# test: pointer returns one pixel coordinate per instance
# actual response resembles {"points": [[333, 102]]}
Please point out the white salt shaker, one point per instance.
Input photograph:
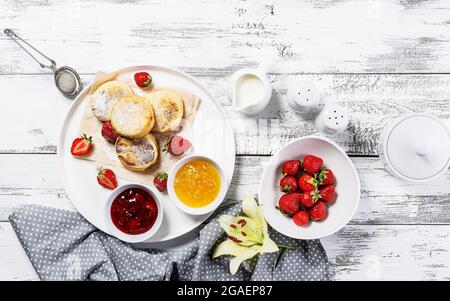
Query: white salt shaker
{"points": [[332, 119], [304, 97]]}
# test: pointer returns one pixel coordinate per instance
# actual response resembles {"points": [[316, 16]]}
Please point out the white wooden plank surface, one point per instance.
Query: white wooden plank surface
{"points": [[303, 36], [372, 100], [380, 58], [14, 262], [391, 252]]}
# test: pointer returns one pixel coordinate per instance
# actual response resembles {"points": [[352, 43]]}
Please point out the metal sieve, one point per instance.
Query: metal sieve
{"points": [[66, 79]]}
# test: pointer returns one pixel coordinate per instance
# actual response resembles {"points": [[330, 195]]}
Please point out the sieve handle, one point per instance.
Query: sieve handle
{"points": [[16, 39]]}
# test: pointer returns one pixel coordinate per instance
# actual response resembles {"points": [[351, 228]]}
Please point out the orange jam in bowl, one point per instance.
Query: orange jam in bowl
{"points": [[197, 183]]}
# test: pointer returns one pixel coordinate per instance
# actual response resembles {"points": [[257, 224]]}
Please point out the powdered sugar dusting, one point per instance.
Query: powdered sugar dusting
{"points": [[104, 100], [130, 116], [141, 148]]}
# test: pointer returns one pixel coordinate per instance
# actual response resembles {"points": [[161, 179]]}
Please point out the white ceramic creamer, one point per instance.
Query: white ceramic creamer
{"points": [[250, 90], [415, 147]]}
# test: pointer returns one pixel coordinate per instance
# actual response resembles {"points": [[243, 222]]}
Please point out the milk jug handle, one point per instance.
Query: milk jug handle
{"points": [[265, 64]]}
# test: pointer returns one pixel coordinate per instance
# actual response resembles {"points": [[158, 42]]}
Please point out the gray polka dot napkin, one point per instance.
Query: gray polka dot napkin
{"points": [[62, 245]]}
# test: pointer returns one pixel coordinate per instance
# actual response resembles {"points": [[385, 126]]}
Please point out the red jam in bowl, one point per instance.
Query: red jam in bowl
{"points": [[134, 211]]}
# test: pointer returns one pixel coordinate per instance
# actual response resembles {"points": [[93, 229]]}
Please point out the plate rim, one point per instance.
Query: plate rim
{"points": [[77, 101]]}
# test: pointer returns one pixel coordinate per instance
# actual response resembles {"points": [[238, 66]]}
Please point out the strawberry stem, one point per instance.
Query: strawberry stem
{"points": [[85, 137], [166, 146], [161, 175]]}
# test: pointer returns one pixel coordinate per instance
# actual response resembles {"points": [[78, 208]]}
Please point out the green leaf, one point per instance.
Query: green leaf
{"points": [[282, 212], [279, 257]]}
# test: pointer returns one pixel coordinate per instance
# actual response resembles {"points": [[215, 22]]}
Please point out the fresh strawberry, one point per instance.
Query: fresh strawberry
{"points": [[289, 203], [288, 184], [177, 145], [108, 132], [309, 198], [312, 164], [291, 167], [307, 183], [318, 212], [301, 218], [327, 194], [143, 79], [160, 181], [107, 178], [325, 177], [81, 146]]}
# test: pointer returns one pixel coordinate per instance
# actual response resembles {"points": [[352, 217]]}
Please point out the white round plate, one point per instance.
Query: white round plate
{"points": [[347, 188], [212, 136]]}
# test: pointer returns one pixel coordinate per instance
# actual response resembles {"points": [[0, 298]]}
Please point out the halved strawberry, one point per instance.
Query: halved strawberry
{"points": [[107, 178], [177, 145], [81, 146]]}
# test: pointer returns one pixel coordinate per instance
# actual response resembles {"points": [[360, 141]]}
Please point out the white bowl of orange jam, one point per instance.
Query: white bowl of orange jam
{"points": [[196, 185]]}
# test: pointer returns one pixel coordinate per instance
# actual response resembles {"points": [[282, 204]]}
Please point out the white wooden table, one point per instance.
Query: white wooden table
{"points": [[380, 58]]}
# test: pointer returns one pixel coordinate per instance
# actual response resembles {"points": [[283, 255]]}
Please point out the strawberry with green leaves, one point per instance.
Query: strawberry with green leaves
{"points": [[143, 79], [325, 177], [160, 181], [288, 184], [307, 183], [309, 198]]}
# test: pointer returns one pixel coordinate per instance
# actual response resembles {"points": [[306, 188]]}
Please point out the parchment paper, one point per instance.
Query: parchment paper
{"points": [[103, 153]]}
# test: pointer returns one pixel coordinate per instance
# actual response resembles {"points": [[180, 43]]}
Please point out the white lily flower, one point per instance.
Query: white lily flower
{"points": [[247, 235]]}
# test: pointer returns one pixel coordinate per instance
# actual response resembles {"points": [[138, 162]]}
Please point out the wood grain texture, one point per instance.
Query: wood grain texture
{"points": [[393, 252], [35, 179], [372, 100], [302, 36], [381, 59], [13, 260]]}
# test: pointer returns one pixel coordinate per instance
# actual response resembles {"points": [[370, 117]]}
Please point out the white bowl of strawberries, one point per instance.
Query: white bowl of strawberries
{"points": [[309, 189]]}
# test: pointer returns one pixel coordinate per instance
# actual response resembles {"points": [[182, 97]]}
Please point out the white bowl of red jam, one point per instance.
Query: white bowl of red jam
{"points": [[196, 185], [133, 213]]}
